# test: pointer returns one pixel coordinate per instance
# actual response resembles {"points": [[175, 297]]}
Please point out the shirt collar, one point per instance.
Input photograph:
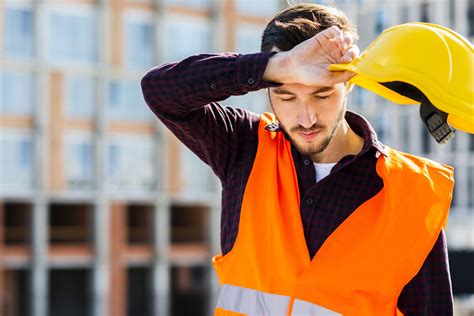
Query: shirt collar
{"points": [[359, 125]]}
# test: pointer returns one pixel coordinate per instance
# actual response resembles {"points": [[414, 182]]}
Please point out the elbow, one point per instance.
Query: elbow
{"points": [[150, 85], [146, 81]]}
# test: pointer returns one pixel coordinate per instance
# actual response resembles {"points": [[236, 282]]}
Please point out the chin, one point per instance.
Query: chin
{"points": [[311, 148]]}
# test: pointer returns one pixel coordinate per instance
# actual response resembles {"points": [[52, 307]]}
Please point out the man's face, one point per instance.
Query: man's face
{"points": [[309, 115]]}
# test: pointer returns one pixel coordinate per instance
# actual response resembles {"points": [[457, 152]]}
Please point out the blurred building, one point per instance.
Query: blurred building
{"points": [[102, 211]]}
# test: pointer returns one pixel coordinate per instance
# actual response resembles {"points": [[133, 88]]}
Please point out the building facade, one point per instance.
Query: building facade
{"points": [[102, 211]]}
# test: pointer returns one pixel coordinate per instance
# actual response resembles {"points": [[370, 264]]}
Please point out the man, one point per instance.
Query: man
{"points": [[318, 217]]}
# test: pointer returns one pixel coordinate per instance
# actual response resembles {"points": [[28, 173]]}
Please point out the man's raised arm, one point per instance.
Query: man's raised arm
{"points": [[184, 96]]}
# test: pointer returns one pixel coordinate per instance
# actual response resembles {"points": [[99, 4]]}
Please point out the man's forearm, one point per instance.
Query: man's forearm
{"points": [[277, 69], [202, 79]]}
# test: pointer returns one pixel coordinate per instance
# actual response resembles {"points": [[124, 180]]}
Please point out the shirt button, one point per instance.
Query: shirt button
{"points": [[309, 201], [213, 86], [307, 162], [251, 81]]}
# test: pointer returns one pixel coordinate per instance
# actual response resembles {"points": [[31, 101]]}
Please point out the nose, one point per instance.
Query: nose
{"points": [[306, 116]]}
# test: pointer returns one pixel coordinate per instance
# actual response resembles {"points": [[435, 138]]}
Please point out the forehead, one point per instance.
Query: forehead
{"points": [[301, 89]]}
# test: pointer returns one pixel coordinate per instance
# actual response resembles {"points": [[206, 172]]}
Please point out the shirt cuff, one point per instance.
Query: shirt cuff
{"points": [[250, 70]]}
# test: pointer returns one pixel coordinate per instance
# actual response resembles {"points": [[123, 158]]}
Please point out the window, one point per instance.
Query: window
{"points": [[79, 161], [365, 25], [70, 224], [139, 224], [15, 160], [139, 294], [16, 294], [131, 163], [256, 102], [186, 36], [190, 290], [360, 97], [258, 8], [125, 101], [380, 20], [69, 292], [424, 12], [405, 130], [404, 13], [189, 224], [426, 139], [72, 37], [139, 44], [16, 93], [18, 32], [16, 221], [381, 126], [470, 186], [248, 38], [190, 3], [470, 17], [80, 96]]}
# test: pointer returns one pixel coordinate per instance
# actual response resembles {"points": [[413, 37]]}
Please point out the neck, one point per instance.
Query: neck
{"points": [[345, 142]]}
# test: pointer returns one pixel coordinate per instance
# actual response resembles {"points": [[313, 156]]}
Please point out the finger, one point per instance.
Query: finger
{"points": [[349, 55], [347, 40], [333, 33], [340, 76]]}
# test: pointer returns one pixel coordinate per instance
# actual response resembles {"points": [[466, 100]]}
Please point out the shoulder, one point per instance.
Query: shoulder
{"points": [[416, 163], [413, 167]]}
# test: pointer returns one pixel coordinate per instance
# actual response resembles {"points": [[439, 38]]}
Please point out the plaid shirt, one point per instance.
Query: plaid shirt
{"points": [[185, 96]]}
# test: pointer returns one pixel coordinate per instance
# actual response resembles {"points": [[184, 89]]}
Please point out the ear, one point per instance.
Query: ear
{"points": [[270, 100]]}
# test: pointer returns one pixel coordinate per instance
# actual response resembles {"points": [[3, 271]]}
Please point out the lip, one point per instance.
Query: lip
{"points": [[308, 136]]}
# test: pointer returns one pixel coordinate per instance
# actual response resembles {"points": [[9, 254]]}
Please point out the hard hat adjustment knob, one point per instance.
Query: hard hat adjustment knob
{"points": [[436, 122]]}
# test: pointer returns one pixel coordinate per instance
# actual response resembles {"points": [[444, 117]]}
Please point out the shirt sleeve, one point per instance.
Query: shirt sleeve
{"points": [[185, 96], [430, 291]]}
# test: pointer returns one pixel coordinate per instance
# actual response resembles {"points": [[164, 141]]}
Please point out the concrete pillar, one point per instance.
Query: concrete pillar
{"points": [[161, 265], [39, 215], [39, 270], [101, 270]]}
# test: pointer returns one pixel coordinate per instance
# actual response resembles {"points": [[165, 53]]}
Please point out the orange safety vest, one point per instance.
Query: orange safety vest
{"points": [[362, 266]]}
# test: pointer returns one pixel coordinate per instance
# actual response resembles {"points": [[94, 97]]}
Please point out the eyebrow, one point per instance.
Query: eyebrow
{"points": [[283, 91]]}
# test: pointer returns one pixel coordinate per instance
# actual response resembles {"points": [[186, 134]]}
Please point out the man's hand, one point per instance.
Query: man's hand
{"points": [[308, 62]]}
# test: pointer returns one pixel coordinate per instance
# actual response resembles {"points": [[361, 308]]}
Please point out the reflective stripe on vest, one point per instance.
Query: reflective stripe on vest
{"points": [[252, 302]]}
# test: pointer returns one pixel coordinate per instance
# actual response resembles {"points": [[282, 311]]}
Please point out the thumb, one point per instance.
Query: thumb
{"points": [[340, 76]]}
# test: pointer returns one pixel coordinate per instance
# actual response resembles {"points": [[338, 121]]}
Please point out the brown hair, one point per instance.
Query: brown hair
{"points": [[300, 22]]}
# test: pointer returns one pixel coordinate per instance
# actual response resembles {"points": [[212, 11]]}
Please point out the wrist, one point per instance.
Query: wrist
{"points": [[277, 69]]}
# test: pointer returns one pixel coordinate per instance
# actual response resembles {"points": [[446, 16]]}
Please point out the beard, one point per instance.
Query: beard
{"points": [[316, 148]]}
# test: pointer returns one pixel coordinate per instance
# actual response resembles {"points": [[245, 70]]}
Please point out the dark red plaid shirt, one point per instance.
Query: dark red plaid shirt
{"points": [[185, 96]]}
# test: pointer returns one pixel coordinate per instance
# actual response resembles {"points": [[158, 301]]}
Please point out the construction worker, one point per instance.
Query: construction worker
{"points": [[318, 216]]}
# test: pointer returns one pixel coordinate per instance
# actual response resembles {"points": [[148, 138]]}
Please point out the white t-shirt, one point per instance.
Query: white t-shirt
{"points": [[323, 169]]}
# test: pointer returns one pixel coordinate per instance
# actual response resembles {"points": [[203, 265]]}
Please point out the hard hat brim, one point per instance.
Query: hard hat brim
{"points": [[373, 85]]}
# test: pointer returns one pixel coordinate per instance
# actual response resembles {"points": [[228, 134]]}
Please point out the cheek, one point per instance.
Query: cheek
{"points": [[334, 104], [284, 111]]}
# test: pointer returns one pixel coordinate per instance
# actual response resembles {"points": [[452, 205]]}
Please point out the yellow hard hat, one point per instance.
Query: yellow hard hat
{"points": [[425, 63]]}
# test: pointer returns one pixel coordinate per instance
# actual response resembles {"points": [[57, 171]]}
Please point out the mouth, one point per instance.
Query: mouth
{"points": [[308, 136]]}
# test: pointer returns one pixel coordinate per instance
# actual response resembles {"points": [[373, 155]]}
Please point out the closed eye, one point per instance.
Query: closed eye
{"points": [[289, 100], [325, 95]]}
